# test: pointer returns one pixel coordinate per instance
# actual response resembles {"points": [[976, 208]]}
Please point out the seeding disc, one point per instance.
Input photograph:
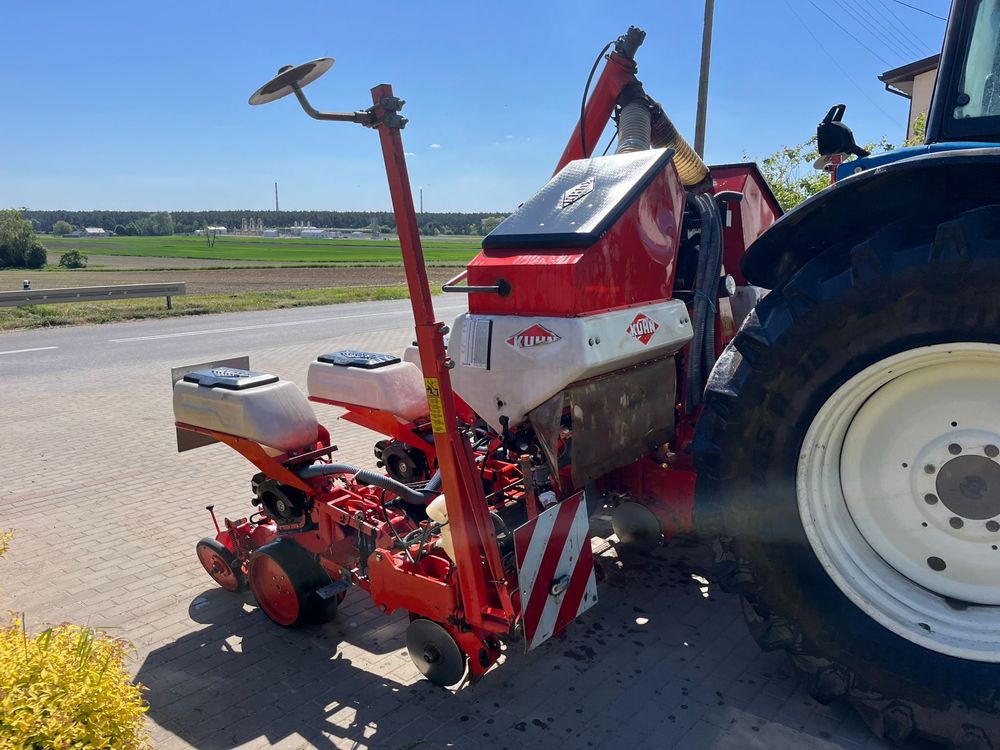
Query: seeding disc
{"points": [[435, 652]]}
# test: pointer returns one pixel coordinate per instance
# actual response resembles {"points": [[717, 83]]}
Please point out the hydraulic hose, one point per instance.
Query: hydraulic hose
{"points": [[634, 128], [365, 476], [701, 351], [690, 167]]}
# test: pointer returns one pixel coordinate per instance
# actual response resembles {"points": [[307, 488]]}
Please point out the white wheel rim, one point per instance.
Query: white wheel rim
{"points": [[898, 487]]}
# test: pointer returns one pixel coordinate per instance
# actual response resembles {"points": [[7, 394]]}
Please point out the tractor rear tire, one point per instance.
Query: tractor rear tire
{"points": [[870, 369], [284, 579]]}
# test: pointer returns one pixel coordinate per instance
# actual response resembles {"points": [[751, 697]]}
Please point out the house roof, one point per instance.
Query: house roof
{"points": [[906, 73]]}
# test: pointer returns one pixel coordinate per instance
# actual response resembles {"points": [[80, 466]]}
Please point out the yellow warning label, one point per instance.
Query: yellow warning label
{"points": [[433, 389]]}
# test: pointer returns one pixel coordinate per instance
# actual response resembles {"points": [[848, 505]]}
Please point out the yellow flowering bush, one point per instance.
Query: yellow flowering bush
{"points": [[67, 688]]}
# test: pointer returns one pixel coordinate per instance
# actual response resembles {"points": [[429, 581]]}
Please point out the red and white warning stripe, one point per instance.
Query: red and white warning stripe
{"points": [[555, 569]]}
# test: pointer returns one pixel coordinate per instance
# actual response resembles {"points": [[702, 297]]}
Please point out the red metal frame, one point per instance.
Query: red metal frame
{"points": [[618, 72], [484, 598]]}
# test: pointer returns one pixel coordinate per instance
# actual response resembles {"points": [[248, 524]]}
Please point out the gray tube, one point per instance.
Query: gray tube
{"points": [[634, 128], [367, 477]]}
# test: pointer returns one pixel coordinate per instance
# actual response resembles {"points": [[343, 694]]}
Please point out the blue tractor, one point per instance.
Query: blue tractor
{"points": [[849, 451]]}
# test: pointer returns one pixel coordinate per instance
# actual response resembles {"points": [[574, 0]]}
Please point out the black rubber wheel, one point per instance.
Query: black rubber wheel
{"points": [[221, 564], [284, 579], [906, 287]]}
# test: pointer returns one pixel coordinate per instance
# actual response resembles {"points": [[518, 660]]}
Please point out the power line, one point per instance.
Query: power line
{"points": [[912, 41], [836, 62], [905, 26], [890, 37], [920, 10], [846, 31]]}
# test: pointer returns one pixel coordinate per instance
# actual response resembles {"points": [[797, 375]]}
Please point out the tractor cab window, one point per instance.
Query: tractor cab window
{"points": [[978, 92]]}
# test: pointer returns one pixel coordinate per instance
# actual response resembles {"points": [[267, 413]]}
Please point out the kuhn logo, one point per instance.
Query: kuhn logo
{"points": [[535, 335], [642, 328]]}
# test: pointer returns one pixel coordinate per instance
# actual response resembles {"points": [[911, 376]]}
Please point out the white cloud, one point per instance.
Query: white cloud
{"points": [[508, 136], [408, 153], [435, 145]]}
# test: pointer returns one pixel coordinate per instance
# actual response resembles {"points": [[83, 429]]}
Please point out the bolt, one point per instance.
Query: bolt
{"points": [[929, 469], [936, 563], [955, 522], [992, 451], [954, 449], [930, 499], [992, 526]]}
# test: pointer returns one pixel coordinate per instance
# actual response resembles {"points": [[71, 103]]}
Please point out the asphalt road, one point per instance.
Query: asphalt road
{"points": [[189, 340]]}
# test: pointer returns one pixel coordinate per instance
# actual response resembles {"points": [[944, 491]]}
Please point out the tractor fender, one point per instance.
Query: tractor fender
{"points": [[929, 188]]}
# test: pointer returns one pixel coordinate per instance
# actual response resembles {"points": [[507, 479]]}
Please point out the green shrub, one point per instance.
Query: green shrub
{"points": [[73, 259], [62, 228], [67, 687], [36, 256]]}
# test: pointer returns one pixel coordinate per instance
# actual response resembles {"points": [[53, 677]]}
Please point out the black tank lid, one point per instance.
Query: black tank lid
{"points": [[581, 202], [364, 360], [230, 378]]}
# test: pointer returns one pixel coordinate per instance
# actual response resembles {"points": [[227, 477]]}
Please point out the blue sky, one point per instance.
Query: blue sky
{"points": [[142, 105]]}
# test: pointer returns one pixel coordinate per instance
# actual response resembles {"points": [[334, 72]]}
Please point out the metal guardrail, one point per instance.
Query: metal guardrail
{"points": [[22, 297]]}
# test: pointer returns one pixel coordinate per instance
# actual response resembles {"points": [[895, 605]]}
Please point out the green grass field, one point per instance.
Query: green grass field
{"points": [[344, 252], [115, 311]]}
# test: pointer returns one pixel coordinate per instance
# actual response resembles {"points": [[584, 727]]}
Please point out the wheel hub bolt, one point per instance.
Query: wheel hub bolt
{"points": [[992, 451], [992, 526], [956, 522], [930, 499], [954, 449], [936, 563], [929, 469]]}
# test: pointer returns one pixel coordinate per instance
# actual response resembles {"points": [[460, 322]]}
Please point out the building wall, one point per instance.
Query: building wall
{"points": [[920, 103]]}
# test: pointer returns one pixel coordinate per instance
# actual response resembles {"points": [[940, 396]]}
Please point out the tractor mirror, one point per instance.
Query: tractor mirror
{"points": [[834, 137], [288, 78]]}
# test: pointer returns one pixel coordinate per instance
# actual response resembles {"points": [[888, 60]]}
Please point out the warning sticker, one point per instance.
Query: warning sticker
{"points": [[433, 389]]}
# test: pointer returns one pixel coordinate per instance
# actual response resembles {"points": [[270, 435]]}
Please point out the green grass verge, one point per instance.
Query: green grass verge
{"points": [[354, 252], [43, 316]]}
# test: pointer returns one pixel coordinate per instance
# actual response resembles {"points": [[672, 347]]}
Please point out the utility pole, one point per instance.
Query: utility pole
{"points": [[706, 61], [276, 196]]}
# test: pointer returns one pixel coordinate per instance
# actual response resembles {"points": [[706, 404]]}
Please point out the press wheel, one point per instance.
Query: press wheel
{"points": [[221, 564]]}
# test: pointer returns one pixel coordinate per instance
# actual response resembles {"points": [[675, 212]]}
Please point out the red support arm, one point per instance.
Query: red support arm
{"points": [[618, 73], [478, 566]]}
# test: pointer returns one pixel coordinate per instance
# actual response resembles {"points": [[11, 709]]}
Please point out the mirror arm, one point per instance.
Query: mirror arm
{"points": [[362, 117]]}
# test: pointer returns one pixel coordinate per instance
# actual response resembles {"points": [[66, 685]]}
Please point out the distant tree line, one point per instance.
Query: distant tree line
{"points": [[184, 222]]}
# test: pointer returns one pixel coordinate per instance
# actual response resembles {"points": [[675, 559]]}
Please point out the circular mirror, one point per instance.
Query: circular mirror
{"points": [[281, 84]]}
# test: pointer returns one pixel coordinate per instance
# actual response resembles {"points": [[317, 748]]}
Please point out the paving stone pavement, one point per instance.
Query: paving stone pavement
{"points": [[106, 515]]}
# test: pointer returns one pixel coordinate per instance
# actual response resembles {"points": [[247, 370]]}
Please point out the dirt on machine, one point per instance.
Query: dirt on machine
{"points": [[649, 335]]}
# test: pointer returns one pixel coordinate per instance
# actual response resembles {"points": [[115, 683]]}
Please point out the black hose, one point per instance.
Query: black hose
{"points": [[366, 477], [701, 352]]}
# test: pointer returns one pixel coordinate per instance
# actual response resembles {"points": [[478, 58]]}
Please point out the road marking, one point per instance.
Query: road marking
{"points": [[36, 349], [259, 326]]}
